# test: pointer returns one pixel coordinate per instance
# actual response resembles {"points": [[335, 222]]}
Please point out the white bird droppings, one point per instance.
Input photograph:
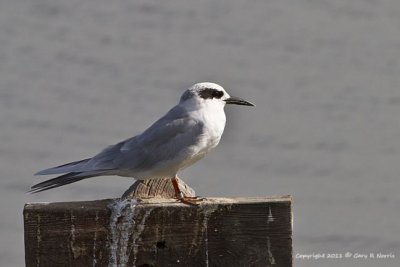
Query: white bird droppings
{"points": [[120, 229], [270, 217]]}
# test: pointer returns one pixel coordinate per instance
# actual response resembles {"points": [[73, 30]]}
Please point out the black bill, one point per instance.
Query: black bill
{"points": [[238, 101]]}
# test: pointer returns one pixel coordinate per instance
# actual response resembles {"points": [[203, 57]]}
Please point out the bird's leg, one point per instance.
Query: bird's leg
{"points": [[178, 193], [181, 197]]}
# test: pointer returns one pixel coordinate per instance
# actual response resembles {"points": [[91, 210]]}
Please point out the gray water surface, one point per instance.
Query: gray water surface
{"points": [[76, 76]]}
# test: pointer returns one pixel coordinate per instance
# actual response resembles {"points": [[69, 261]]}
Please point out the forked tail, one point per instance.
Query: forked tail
{"points": [[65, 179]]}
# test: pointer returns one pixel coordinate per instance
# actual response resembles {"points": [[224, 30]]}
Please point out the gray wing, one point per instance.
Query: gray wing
{"points": [[167, 137]]}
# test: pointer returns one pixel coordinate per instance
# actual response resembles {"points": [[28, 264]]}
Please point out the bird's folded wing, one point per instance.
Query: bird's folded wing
{"points": [[164, 140]]}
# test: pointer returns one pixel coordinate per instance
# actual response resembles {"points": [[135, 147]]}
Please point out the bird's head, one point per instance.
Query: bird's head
{"points": [[207, 94]]}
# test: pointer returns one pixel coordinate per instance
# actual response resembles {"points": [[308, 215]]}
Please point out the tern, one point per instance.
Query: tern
{"points": [[184, 135]]}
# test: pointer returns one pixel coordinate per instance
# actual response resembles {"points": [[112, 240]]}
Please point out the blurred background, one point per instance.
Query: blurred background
{"points": [[76, 76]]}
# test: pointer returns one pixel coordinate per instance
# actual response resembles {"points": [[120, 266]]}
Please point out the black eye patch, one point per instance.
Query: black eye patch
{"points": [[209, 93]]}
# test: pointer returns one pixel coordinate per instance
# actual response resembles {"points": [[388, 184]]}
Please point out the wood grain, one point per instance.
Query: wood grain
{"points": [[161, 188], [218, 232]]}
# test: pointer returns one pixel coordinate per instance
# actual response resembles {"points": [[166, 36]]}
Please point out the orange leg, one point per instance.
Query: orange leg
{"points": [[178, 193], [181, 197]]}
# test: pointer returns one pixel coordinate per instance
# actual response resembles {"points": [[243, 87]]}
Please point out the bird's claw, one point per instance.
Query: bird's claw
{"points": [[194, 201]]}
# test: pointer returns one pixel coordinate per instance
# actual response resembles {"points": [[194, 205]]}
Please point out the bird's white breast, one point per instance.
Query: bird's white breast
{"points": [[213, 119]]}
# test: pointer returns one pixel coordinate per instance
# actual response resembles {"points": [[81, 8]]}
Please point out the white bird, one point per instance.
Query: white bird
{"points": [[177, 140]]}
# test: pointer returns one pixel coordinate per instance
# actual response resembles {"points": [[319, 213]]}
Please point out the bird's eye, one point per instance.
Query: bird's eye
{"points": [[218, 94], [210, 93]]}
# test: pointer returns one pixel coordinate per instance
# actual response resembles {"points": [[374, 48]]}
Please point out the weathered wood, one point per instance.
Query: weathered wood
{"points": [[218, 232], [161, 188]]}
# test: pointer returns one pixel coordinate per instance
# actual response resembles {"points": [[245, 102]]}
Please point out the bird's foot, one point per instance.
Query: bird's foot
{"points": [[182, 198], [194, 201]]}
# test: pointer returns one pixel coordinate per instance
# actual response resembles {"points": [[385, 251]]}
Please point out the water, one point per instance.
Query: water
{"points": [[76, 76]]}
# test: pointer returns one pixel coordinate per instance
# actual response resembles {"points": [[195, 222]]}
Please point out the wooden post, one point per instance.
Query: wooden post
{"points": [[160, 232]]}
